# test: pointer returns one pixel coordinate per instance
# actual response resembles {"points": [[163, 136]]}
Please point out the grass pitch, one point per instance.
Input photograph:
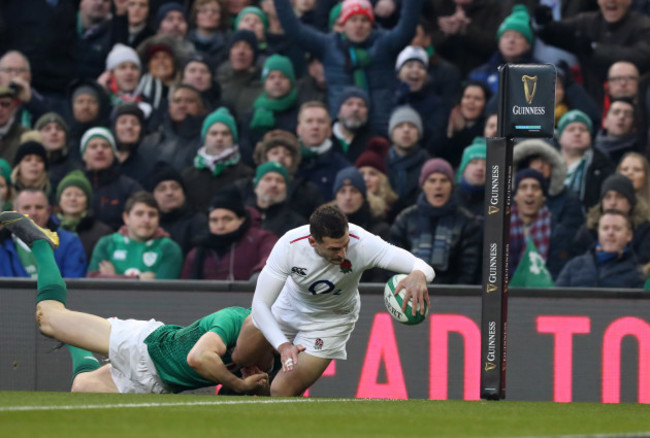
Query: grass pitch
{"points": [[54, 415]]}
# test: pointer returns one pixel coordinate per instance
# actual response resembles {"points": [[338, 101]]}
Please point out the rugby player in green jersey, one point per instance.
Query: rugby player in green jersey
{"points": [[145, 356]]}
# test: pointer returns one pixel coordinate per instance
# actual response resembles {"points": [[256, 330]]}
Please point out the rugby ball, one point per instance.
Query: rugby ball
{"points": [[394, 302]]}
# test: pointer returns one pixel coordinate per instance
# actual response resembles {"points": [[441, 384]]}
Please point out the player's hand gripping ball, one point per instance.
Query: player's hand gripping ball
{"points": [[394, 303]]}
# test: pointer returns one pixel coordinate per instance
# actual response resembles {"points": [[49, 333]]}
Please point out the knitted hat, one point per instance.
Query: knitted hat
{"points": [[281, 64], [411, 53], [121, 53], [159, 47], [270, 166], [335, 13], [249, 37], [620, 184], [476, 151], [519, 21], [229, 199], [100, 132], [30, 148], [403, 114], [5, 170], [166, 9], [197, 57], [253, 10], [531, 173], [354, 7], [350, 176], [573, 116], [75, 178], [164, 172], [375, 155], [353, 91], [85, 89], [222, 115], [127, 108], [49, 118], [436, 165]]}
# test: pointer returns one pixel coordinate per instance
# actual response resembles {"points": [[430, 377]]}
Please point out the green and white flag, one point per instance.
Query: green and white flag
{"points": [[531, 271]]}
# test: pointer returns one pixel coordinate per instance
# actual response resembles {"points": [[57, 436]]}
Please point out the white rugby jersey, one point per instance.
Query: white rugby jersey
{"points": [[318, 286]]}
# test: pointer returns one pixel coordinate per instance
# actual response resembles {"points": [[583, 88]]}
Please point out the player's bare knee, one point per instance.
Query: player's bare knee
{"points": [[43, 319], [83, 383]]}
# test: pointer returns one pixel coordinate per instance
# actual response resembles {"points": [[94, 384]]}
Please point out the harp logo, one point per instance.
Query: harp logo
{"points": [[492, 209], [530, 87]]}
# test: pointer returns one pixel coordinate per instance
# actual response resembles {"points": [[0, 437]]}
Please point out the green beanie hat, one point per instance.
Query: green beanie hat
{"points": [[476, 151], [253, 10], [220, 115], [335, 13], [519, 20], [270, 166], [75, 178], [281, 64], [5, 170], [573, 116]]}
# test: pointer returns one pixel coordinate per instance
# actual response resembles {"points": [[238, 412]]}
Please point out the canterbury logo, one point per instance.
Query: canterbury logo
{"points": [[491, 287], [530, 87], [492, 209], [489, 366]]}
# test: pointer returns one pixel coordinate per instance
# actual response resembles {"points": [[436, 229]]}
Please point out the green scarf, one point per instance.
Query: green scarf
{"points": [[70, 224], [307, 153], [200, 162], [358, 59], [265, 109]]}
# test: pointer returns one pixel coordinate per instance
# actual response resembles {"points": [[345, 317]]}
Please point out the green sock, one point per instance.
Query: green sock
{"points": [[83, 361], [50, 284]]}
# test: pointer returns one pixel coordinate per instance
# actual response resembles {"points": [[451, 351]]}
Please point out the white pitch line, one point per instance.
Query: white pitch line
{"points": [[175, 404]]}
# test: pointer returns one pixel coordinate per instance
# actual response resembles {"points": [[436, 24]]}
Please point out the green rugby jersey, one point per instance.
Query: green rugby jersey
{"points": [[169, 346], [161, 256]]}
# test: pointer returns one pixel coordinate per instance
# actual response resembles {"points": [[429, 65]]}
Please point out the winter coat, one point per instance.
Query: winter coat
{"points": [[69, 256], [404, 174], [246, 257], [615, 147], [89, 230], [239, 89], [10, 142], [184, 226], [214, 48], [626, 40], [463, 233], [358, 144], [382, 46], [585, 271], [279, 218], [201, 185], [111, 189], [322, 170]]}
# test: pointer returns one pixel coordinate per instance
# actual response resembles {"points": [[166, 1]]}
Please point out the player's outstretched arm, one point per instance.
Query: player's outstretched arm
{"points": [[205, 359]]}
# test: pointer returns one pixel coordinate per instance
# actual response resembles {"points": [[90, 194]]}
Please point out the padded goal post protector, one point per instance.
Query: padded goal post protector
{"points": [[526, 100]]}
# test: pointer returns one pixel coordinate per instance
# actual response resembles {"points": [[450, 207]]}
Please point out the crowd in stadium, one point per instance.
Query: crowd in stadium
{"points": [[167, 140]]}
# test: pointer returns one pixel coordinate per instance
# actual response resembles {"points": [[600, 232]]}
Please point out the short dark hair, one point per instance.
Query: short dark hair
{"points": [[327, 221], [626, 216], [141, 197]]}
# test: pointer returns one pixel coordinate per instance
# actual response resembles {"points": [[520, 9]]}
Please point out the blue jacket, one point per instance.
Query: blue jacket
{"points": [[322, 170], [69, 256], [383, 47]]}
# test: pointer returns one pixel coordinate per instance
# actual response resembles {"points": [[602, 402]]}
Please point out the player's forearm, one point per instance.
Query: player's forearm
{"points": [[266, 292], [210, 366]]}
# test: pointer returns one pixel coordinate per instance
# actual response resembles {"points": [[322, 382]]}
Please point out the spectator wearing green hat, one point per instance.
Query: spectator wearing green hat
{"points": [[470, 177], [254, 19], [360, 55], [587, 167], [73, 211], [270, 186], [111, 187], [275, 108], [515, 41], [218, 162], [6, 189]]}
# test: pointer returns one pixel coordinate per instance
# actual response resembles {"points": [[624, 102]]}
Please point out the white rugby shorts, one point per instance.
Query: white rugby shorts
{"points": [[132, 369], [324, 334]]}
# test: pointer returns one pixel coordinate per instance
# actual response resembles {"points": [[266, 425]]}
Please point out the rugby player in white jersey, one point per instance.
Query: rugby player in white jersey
{"points": [[145, 356], [307, 301]]}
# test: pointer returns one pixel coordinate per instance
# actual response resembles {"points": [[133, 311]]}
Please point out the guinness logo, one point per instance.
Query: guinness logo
{"points": [[491, 287], [492, 209], [489, 366], [530, 87]]}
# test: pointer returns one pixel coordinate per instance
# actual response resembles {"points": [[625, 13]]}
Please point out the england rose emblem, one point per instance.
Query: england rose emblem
{"points": [[346, 266]]}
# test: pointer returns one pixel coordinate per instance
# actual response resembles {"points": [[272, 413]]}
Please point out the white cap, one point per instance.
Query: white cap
{"points": [[410, 53], [119, 54]]}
